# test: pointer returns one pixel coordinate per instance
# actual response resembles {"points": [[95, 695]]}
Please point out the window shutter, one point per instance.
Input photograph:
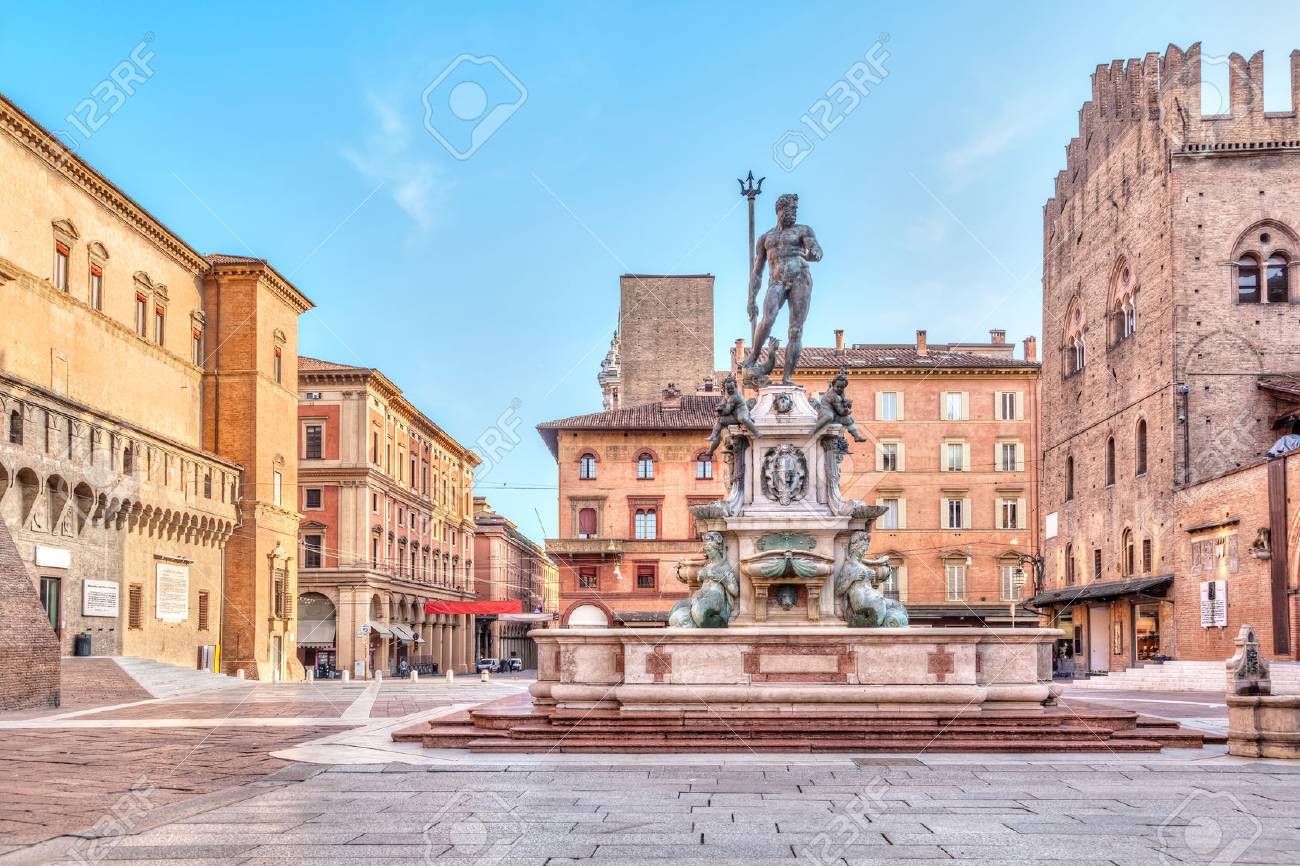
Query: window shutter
{"points": [[901, 574], [965, 405], [943, 405], [880, 406], [943, 456], [1020, 457], [943, 513], [1020, 405], [899, 403], [999, 518], [965, 457], [997, 456], [965, 514], [902, 513], [880, 457], [902, 462], [1022, 513]]}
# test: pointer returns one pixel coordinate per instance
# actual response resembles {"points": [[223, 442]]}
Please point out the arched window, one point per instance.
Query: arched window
{"points": [[646, 524], [1121, 306], [1248, 280], [128, 460], [1069, 479], [1069, 565], [587, 467], [645, 465], [1140, 448], [1074, 355], [1128, 553], [587, 523], [1110, 461], [1276, 279], [16, 427], [703, 467]]}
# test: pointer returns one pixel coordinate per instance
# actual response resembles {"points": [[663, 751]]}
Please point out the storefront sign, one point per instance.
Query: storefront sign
{"points": [[172, 594], [53, 557], [99, 598], [1214, 604]]}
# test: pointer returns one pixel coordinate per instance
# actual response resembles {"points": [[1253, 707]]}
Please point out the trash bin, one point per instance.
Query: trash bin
{"points": [[81, 644]]}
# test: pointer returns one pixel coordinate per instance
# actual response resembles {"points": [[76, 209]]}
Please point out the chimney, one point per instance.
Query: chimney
{"points": [[839, 339], [920, 343], [997, 336], [1031, 349], [737, 355], [672, 397]]}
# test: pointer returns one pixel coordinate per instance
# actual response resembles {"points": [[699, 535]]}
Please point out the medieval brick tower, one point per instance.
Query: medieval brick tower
{"points": [[1169, 288], [665, 336]]}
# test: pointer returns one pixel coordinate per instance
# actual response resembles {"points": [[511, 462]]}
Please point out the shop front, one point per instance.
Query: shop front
{"points": [[1109, 625], [317, 635]]}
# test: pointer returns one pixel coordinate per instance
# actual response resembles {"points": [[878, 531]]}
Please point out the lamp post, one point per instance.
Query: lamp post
{"points": [[1018, 581], [751, 191]]}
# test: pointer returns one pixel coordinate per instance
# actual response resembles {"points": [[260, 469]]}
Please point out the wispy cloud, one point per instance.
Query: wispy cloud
{"points": [[1015, 120], [387, 153]]}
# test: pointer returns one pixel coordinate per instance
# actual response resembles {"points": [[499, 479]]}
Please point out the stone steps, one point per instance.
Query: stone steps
{"points": [[1206, 676], [164, 680], [798, 745]]}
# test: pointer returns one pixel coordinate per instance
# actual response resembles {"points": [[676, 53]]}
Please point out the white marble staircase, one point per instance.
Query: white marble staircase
{"points": [[164, 680], [1178, 676]]}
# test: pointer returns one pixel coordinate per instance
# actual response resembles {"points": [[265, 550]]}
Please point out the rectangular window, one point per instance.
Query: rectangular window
{"points": [[1010, 512], [203, 610], [586, 578], [159, 324], [61, 253], [374, 449], [311, 551], [314, 442], [646, 524], [645, 577], [312, 497], [956, 457], [374, 553], [889, 520], [60, 276], [374, 502], [413, 477], [207, 486], [196, 347], [1007, 406], [141, 315], [96, 288], [277, 481], [1146, 556], [51, 595], [889, 457], [955, 581], [952, 406], [135, 606], [277, 363], [1007, 457], [954, 513], [703, 469], [888, 406], [587, 523], [1096, 564], [1009, 573]]}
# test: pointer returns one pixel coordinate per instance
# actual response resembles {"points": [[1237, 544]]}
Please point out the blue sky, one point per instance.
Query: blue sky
{"points": [[298, 134]]}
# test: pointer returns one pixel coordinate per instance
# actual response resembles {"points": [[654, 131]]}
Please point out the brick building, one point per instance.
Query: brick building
{"points": [[509, 566], [949, 425], [144, 405], [388, 526], [1169, 290]]}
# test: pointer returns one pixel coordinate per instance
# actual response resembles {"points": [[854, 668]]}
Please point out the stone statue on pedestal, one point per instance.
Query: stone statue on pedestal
{"points": [[835, 408], [786, 249], [710, 605], [734, 409], [857, 588]]}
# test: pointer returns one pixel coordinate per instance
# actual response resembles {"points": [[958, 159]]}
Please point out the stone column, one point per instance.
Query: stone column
{"points": [[458, 642], [471, 640], [448, 660]]}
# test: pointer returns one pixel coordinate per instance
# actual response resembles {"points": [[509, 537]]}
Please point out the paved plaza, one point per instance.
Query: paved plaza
{"points": [[308, 773]]}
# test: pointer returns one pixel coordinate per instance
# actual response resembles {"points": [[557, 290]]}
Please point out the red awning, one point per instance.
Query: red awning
{"points": [[472, 606]]}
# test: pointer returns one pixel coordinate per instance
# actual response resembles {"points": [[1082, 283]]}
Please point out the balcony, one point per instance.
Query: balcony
{"points": [[619, 546]]}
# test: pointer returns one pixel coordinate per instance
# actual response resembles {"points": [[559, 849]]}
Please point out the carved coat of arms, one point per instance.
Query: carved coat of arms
{"points": [[785, 474]]}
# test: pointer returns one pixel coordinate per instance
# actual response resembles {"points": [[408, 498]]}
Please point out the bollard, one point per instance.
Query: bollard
{"points": [[483, 677], [451, 676], [415, 676], [239, 674], [347, 676], [311, 675]]}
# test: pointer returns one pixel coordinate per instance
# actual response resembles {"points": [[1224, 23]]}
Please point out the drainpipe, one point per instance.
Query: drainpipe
{"points": [[1184, 418]]}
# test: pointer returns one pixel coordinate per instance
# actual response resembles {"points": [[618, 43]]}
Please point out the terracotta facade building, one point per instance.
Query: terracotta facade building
{"points": [[144, 421], [510, 566], [388, 525], [1169, 327]]}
